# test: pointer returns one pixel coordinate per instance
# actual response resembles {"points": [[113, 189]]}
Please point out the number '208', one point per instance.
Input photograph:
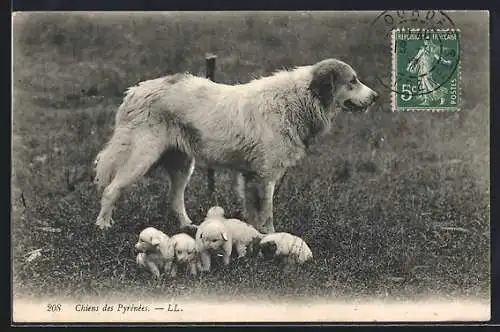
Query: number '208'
{"points": [[54, 307]]}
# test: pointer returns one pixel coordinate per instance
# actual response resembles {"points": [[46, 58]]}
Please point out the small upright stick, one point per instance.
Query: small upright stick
{"points": [[210, 74]]}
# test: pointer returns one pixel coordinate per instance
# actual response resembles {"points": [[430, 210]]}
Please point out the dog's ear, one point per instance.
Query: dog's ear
{"points": [[324, 80], [224, 236], [155, 240]]}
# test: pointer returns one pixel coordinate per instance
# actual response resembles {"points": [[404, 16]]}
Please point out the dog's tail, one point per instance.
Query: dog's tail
{"points": [[114, 154]]}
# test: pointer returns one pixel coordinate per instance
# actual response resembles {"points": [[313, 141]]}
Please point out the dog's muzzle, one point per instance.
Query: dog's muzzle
{"points": [[349, 105]]}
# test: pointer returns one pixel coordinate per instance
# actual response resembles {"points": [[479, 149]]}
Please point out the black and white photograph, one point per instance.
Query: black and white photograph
{"points": [[250, 166]]}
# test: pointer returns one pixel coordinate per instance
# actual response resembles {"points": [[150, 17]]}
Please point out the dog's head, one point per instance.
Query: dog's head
{"points": [[268, 249], [215, 212], [334, 81], [213, 235], [180, 247], [149, 240]]}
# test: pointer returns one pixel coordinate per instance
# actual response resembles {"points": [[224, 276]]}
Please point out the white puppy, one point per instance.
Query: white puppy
{"points": [[148, 245], [218, 235], [180, 249], [149, 240], [153, 261], [286, 247]]}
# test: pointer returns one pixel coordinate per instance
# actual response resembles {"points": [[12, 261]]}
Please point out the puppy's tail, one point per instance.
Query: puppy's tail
{"points": [[114, 154]]}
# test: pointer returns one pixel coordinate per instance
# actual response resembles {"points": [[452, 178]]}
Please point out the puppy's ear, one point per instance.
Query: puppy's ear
{"points": [[155, 240], [224, 236], [324, 79]]}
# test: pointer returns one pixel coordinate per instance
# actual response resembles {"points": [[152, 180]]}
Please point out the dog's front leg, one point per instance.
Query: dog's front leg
{"points": [[173, 271], [267, 207], [205, 260], [194, 268], [258, 204], [168, 266], [153, 268], [239, 186], [228, 248]]}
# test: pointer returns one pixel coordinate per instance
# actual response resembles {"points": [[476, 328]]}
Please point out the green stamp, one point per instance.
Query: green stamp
{"points": [[426, 70]]}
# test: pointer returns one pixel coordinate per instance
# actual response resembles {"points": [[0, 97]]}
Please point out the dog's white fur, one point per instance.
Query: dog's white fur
{"points": [[180, 249], [153, 261], [148, 245], [242, 234], [287, 247], [213, 238], [218, 235], [258, 129]]}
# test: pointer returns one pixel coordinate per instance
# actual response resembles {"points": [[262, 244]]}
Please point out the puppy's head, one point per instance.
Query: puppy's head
{"points": [[268, 250], [215, 212], [149, 240], [181, 247], [335, 81], [213, 236], [253, 249]]}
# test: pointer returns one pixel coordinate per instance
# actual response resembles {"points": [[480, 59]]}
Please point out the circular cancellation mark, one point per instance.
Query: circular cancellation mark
{"points": [[418, 42]]}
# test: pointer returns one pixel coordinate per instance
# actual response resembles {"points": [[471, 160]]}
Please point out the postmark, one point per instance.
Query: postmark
{"points": [[414, 27], [425, 69]]}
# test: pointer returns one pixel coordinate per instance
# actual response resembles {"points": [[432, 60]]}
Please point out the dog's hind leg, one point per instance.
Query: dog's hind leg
{"points": [[145, 153], [180, 167]]}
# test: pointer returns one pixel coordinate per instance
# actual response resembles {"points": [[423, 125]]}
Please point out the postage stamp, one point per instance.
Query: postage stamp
{"points": [[426, 70]]}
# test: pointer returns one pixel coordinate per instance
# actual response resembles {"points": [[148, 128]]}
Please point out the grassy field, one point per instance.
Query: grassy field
{"points": [[402, 219]]}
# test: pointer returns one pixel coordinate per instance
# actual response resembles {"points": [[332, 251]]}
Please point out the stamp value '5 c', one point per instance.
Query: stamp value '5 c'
{"points": [[426, 70]]}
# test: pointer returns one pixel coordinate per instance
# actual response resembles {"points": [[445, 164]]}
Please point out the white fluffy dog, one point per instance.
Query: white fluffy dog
{"points": [[218, 235], [259, 129], [285, 247], [148, 245], [180, 249]]}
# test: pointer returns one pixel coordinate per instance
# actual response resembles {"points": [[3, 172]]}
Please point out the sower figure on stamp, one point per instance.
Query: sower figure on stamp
{"points": [[422, 64]]}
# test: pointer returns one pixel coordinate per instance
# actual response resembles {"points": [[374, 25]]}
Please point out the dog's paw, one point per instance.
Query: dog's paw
{"points": [[104, 223]]}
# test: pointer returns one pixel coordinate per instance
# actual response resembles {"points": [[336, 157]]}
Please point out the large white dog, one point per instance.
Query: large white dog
{"points": [[257, 129]]}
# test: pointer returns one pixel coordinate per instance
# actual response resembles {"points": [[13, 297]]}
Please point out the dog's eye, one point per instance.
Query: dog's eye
{"points": [[353, 80], [214, 240]]}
